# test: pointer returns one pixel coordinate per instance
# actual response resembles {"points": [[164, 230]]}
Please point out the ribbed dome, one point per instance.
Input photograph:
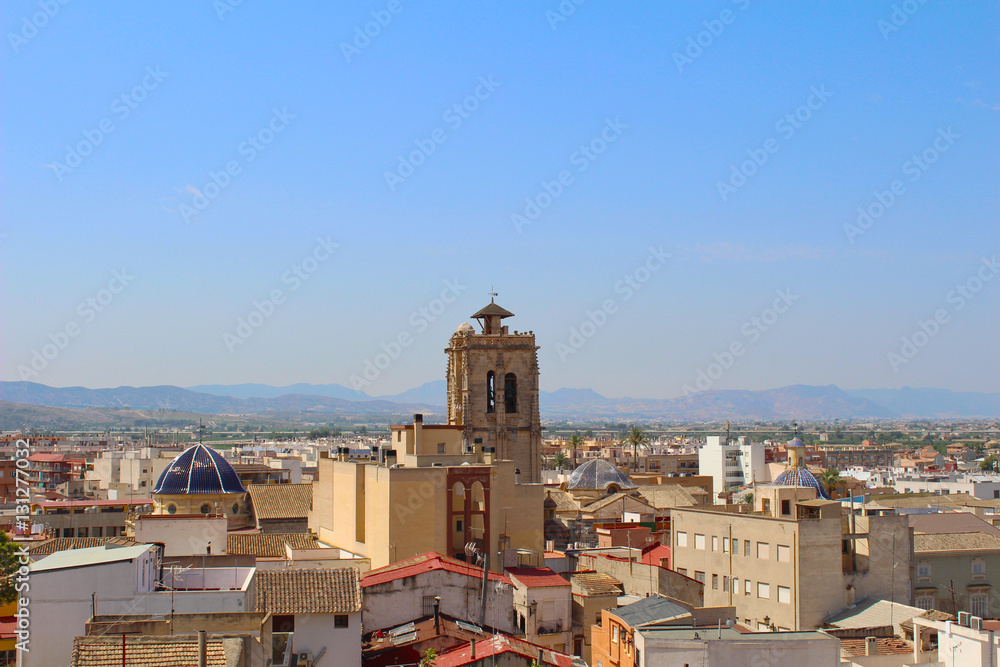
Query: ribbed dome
{"points": [[197, 470], [598, 474], [802, 478]]}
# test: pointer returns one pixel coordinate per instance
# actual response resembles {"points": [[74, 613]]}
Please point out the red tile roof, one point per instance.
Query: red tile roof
{"points": [[885, 645], [536, 577], [498, 645], [656, 554], [89, 503], [8, 627], [421, 564]]}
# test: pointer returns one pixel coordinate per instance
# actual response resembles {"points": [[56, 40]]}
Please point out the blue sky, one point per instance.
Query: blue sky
{"points": [[249, 160]]}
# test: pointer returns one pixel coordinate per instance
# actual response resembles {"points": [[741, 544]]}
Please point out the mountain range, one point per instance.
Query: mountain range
{"points": [[793, 402]]}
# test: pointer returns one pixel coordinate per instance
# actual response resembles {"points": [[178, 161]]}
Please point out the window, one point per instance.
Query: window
{"points": [[206, 508], [440, 448], [746, 547], [682, 539], [924, 570], [459, 526], [784, 595], [725, 545], [236, 508], [763, 590], [699, 541], [341, 621], [638, 658], [682, 571], [925, 601], [784, 553], [978, 567], [715, 542], [510, 393], [725, 584], [979, 605], [614, 634], [171, 509], [428, 605], [490, 392], [715, 582], [699, 576], [763, 550], [746, 587], [786, 507]]}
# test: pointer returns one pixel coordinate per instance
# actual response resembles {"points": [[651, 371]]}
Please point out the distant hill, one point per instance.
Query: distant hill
{"points": [[792, 402], [168, 397]]}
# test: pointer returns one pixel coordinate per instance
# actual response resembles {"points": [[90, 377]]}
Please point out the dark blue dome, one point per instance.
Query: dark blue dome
{"points": [[199, 469], [802, 478]]}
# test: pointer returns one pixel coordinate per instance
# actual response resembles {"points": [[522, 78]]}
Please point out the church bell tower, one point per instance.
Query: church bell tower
{"points": [[493, 389]]}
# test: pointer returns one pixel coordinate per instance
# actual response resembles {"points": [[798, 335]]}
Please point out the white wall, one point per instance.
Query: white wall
{"points": [[184, 536], [314, 632], [397, 602]]}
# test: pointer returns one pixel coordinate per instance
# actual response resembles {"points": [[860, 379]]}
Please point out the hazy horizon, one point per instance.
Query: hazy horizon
{"points": [[763, 195]]}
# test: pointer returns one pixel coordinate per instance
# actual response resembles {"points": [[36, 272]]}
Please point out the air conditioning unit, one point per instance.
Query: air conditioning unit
{"points": [[469, 449], [304, 660], [963, 618], [437, 464], [976, 623]]}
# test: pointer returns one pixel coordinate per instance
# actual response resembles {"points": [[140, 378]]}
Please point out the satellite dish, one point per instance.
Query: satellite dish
{"points": [[729, 623]]}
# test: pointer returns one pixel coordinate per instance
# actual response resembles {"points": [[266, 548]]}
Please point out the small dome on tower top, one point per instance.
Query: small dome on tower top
{"points": [[464, 328]]}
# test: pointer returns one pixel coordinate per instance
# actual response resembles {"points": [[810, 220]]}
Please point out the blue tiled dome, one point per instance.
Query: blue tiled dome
{"points": [[199, 469], [803, 478], [598, 474]]}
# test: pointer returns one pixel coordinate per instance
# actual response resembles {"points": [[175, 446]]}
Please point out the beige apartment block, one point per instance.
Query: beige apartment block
{"points": [[493, 390], [794, 560]]}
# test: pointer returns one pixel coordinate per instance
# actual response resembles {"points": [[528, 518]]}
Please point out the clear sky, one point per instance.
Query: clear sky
{"points": [[170, 168]]}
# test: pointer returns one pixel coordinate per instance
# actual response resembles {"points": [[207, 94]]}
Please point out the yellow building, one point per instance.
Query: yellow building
{"points": [[431, 492]]}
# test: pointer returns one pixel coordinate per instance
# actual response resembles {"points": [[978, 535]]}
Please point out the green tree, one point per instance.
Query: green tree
{"points": [[830, 479], [748, 499], [575, 441], [635, 438], [9, 564], [989, 463], [429, 657], [560, 460]]}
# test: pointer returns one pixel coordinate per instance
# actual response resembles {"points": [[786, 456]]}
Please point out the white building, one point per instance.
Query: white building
{"points": [[710, 647], [68, 587], [732, 464], [318, 609], [543, 603], [982, 486]]}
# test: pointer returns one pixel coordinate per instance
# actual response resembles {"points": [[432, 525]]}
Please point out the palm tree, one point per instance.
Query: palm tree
{"points": [[560, 460], [575, 441], [830, 479], [636, 439]]}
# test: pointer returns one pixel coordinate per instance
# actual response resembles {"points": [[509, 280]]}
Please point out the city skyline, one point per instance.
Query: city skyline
{"points": [[228, 193]]}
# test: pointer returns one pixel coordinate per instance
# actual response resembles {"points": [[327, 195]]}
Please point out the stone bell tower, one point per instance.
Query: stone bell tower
{"points": [[493, 390]]}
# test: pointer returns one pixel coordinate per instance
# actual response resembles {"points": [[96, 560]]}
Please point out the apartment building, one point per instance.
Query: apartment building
{"points": [[794, 560]]}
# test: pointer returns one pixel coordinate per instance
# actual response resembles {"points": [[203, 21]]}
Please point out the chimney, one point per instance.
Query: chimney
{"points": [[437, 614], [488, 455], [871, 646], [472, 648], [390, 458], [202, 649], [418, 433]]}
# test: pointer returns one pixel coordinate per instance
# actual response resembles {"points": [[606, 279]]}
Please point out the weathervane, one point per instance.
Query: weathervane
{"points": [[492, 294]]}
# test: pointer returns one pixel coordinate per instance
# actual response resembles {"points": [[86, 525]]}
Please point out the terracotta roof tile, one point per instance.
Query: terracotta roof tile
{"points": [[955, 542], [321, 591], [597, 583], [536, 577], [427, 562], [268, 545], [49, 547], [168, 651], [280, 501], [886, 646]]}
